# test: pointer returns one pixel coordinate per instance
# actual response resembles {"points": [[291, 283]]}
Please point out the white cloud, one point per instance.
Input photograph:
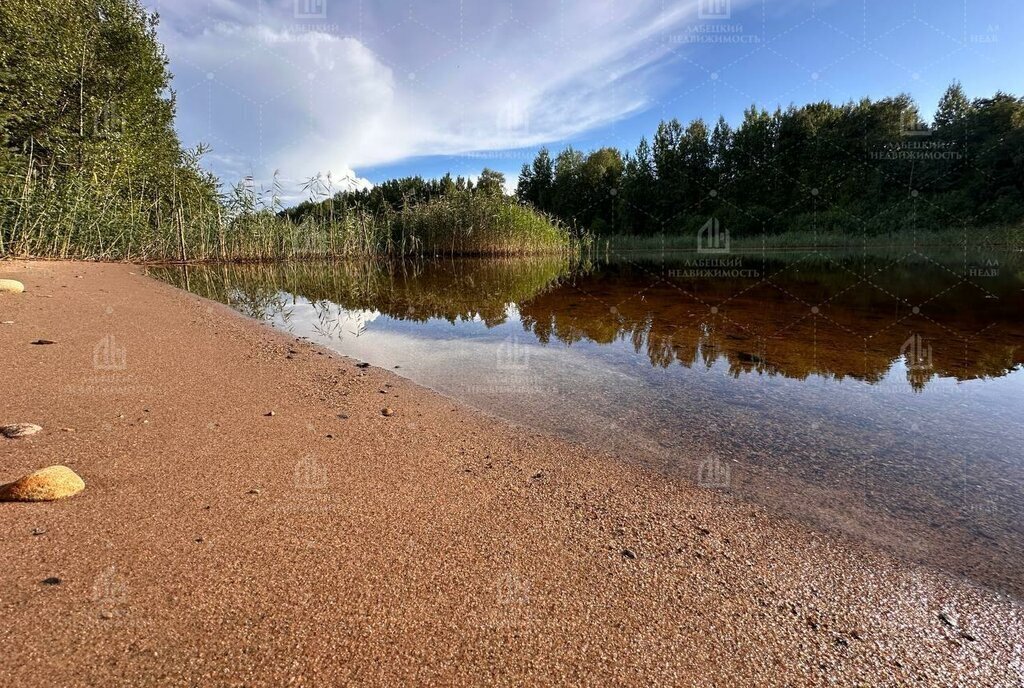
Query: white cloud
{"points": [[371, 85]]}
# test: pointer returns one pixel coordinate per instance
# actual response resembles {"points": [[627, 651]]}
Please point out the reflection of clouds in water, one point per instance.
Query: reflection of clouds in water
{"points": [[324, 319]]}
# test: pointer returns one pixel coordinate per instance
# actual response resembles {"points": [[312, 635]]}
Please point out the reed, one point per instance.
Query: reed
{"points": [[70, 215]]}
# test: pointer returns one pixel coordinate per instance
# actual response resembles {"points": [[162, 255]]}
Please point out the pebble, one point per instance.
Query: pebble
{"points": [[6, 322], [44, 485], [628, 554], [10, 286], [269, 413], [16, 430], [43, 342], [388, 411], [52, 580], [253, 491], [38, 531], [106, 615], [362, 365]]}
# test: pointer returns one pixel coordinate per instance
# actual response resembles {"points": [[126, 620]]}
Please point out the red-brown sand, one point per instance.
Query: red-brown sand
{"points": [[215, 544]]}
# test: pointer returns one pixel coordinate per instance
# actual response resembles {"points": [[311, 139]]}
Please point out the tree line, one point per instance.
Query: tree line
{"points": [[866, 166]]}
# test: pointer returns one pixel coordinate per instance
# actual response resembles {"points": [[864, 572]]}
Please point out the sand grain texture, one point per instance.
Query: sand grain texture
{"points": [[217, 545]]}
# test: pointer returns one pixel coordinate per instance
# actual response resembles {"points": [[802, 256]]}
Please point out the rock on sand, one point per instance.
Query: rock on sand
{"points": [[16, 430], [11, 286], [44, 485]]}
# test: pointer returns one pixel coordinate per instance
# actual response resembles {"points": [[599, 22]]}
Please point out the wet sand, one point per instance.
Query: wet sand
{"points": [[327, 543]]}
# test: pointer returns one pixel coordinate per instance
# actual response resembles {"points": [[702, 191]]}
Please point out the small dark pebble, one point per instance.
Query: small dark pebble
{"points": [[199, 539], [538, 475], [628, 554], [362, 365], [343, 416], [330, 437], [38, 531], [52, 580], [253, 491], [41, 342], [396, 367], [269, 413]]}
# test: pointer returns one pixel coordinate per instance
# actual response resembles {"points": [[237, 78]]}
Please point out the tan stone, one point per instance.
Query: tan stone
{"points": [[44, 485], [16, 430], [11, 286]]}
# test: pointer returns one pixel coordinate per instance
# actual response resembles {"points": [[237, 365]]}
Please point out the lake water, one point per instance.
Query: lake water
{"points": [[878, 396]]}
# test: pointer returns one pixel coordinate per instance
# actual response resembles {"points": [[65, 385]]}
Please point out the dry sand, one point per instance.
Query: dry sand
{"points": [[217, 545]]}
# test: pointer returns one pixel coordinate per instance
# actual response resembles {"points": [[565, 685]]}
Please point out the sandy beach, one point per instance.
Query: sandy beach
{"points": [[252, 517]]}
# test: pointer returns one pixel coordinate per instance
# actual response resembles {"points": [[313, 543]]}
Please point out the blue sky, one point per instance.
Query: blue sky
{"points": [[372, 89]]}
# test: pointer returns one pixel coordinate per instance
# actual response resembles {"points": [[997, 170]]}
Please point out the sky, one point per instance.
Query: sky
{"points": [[369, 90]]}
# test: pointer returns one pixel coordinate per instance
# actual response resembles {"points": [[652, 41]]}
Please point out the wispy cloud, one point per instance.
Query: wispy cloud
{"points": [[278, 86]]}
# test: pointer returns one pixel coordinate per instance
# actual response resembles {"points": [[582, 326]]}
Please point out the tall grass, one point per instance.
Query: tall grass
{"points": [[69, 216]]}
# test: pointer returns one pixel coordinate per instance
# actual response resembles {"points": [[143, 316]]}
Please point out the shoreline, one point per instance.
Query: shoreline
{"points": [[439, 544]]}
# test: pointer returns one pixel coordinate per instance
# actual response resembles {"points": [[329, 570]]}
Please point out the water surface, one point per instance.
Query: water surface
{"points": [[877, 396]]}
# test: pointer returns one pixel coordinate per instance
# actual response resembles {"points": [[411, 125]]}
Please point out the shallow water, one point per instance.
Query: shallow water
{"points": [[881, 397]]}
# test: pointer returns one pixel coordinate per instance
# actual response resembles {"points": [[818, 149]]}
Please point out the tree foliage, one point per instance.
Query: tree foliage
{"points": [[89, 154], [863, 167]]}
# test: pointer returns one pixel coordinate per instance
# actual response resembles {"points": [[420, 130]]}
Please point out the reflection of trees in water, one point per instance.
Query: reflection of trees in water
{"points": [[453, 289], [862, 327]]}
